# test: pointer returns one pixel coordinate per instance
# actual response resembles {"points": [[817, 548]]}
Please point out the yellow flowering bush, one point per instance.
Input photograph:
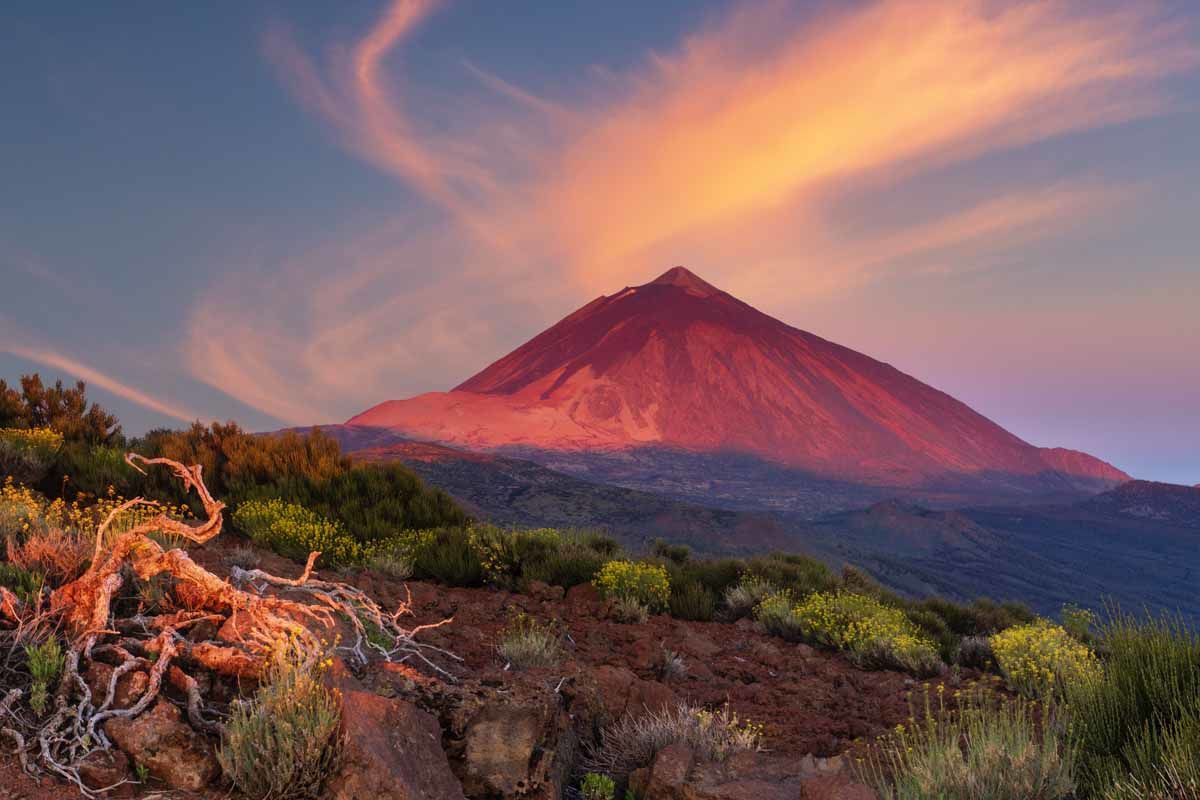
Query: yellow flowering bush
{"points": [[1041, 658], [293, 531], [25, 455], [649, 584], [873, 634], [56, 538]]}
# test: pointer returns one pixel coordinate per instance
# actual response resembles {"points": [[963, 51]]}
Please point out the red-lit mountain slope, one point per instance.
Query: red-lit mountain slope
{"points": [[677, 363]]}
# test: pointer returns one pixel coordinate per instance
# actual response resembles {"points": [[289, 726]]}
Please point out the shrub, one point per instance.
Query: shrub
{"points": [[46, 661], [449, 557], [371, 501], [1040, 658], [62, 409], [649, 584], [741, 599], [94, 470], [283, 743], [26, 455], [776, 614], [873, 634], [243, 557], [1078, 622], [59, 555], [293, 531], [975, 652], [797, 574], [629, 609], [25, 584], [526, 643], [597, 787], [632, 741], [1013, 751], [692, 601], [675, 553], [392, 563], [1136, 725], [573, 563], [672, 666], [504, 554]]}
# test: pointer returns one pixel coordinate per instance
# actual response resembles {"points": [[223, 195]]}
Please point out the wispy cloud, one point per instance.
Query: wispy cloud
{"points": [[728, 143], [54, 359]]}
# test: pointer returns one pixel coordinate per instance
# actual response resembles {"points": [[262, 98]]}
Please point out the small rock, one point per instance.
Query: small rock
{"points": [[544, 592], [162, 742], [130, 686], [101, 769]]}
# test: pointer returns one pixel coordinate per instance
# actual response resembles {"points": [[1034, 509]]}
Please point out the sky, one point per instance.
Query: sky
{"points": [[284, 213]]}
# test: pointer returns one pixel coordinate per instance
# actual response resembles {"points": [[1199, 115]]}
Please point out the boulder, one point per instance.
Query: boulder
{"points": [[393, 750], [501, 742], [168, 747], [666, 777], [618, 692]]}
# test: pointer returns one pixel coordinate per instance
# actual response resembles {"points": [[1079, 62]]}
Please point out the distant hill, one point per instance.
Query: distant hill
{"points": [[1151, 501], [679, 366]]}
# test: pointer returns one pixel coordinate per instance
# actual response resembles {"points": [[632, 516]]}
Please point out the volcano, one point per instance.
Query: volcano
{"points": [[678, 364]]}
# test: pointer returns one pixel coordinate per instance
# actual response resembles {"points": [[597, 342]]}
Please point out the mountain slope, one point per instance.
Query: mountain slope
{"points": [[677, 363]]}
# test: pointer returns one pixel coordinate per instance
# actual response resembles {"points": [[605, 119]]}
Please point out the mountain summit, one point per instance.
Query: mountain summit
{"points": [[677, 363]]}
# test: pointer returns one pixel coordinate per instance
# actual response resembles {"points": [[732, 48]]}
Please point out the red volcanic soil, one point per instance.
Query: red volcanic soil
{"points": [[679, 363]]}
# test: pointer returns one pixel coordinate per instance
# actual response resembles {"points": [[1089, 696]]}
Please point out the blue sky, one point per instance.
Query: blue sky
{"points": [[285, 213]]}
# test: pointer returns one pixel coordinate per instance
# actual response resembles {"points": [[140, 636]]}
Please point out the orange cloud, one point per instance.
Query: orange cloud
{"points": [[723, 151], [52, 358]]}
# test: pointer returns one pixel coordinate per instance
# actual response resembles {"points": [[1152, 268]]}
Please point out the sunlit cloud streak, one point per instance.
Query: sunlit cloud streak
{"points": [[728, 143], [54, 359]]}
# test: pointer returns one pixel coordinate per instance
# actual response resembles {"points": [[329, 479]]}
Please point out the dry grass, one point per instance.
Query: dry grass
{"points": [[632, 741], [58, 554]]}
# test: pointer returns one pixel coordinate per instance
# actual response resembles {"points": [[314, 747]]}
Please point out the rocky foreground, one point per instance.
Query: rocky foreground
{"points": [[496, 732]]}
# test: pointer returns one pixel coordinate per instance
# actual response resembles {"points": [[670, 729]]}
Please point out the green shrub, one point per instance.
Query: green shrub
{"points": [[675, 553], [25, 584], [1041, 658], [573, 563], [284, 742], [60, 408], [449, 557], [293, 531], [873, 634], [649, 584], [46, 661], [597, 787], [1139, 720], [93, 470], [692, 601], [506, 554], [975, 652], [797, 574], [1078, 622], [26, 455], [525, 642], [776, 613], [935, 628], [983, 751], [742, 598], [373, 502]]}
